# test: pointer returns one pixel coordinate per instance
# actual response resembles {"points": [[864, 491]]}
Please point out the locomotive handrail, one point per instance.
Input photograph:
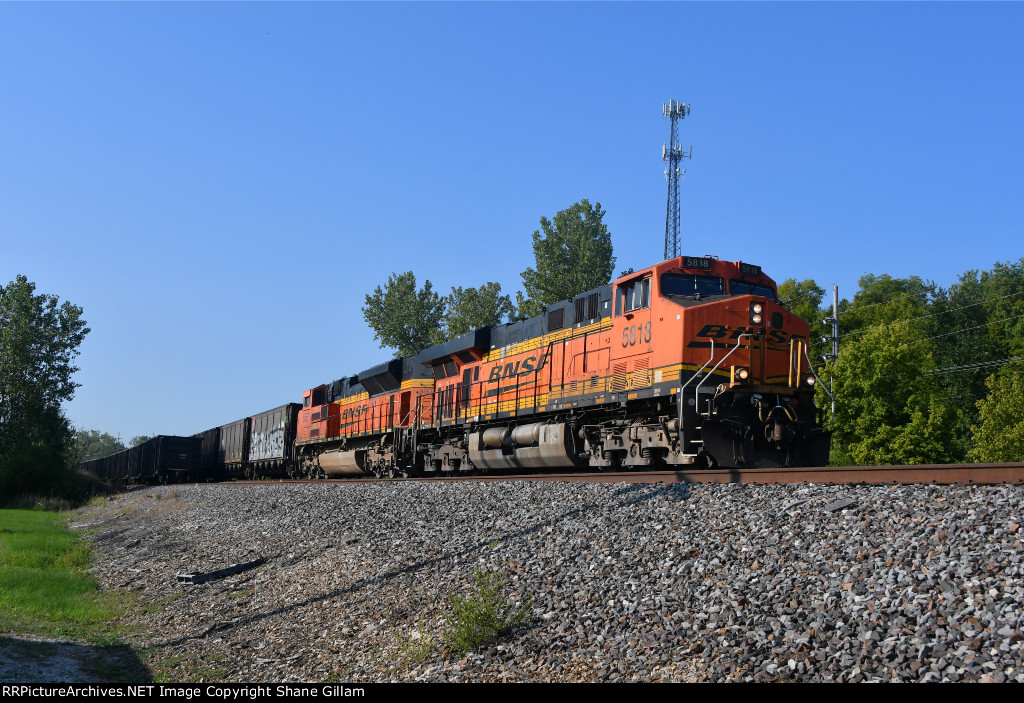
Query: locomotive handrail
{"points": [[696, 390], [794, 361], [712, 371], [701, 369], [682, 389]]}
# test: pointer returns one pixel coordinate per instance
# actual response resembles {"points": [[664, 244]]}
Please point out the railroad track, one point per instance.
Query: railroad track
{"points": [[981, 474]]}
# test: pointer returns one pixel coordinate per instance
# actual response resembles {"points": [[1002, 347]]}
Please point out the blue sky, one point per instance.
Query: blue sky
{"points": [[219, 185]]}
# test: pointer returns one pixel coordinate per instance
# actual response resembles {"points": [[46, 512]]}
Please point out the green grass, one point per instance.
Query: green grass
{"points": [[43, 585]]}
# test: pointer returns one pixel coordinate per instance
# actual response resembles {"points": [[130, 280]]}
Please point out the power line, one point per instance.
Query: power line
{"points": [[976, 366], [966, 329], [923, 317], [967, 367]]}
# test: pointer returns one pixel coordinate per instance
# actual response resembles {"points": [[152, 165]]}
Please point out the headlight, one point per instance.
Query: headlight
{"points": [[809, 380], [740, 373], [756, 316]]}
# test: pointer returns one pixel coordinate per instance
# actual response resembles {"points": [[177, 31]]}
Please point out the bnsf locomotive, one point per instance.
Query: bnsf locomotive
{"points": [[691, 362]]}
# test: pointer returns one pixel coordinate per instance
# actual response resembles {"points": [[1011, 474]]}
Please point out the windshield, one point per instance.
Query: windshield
{"points": [[744, 288], [689, 285]]}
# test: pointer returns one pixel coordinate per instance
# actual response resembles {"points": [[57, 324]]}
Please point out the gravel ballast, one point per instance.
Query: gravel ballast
{"points": [[624, 582]]}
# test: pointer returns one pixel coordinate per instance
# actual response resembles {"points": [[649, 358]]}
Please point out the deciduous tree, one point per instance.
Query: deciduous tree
{"points": [[573, 254], [884, 300], [887, 407], [93, 444], [39, 340], [470, 308], [999, 434], [402, 317], [803, 298]]}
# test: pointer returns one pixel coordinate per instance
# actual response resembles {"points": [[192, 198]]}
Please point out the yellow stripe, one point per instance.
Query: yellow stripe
{"points": [[544, 340], [418, 383]]}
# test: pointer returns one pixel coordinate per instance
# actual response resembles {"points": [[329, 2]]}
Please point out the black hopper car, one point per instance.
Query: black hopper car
{"points": [[259, 445], [163, 459]]}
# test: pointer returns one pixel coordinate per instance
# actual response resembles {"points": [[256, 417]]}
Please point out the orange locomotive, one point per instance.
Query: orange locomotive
{"points": [[689, 362]]}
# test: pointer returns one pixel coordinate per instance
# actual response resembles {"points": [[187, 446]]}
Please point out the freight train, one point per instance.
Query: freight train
{"points": [[692, 362]]}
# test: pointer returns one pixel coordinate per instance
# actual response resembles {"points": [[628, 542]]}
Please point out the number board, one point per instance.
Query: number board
{"points": [[750, 268], [697, 262]]}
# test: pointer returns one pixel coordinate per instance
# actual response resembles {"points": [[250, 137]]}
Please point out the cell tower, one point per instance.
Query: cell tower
{"points": [[672, 153]]}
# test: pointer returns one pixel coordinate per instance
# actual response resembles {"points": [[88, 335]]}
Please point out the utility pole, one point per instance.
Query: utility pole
{"points": [[834, 322], [672, 154]]}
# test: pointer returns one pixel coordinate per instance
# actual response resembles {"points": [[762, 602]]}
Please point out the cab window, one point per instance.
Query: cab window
{"points": [[689, 286], [737, 287], [633, 296]]}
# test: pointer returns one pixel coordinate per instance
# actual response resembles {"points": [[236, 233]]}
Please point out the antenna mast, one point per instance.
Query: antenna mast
{"points": [[672, 154]]}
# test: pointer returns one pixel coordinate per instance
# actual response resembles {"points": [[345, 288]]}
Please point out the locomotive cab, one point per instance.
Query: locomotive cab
{"points": [[746, 393], [712, 336]]}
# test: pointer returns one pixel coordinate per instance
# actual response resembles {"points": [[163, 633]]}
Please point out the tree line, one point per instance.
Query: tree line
{"points": [[925, 374]]}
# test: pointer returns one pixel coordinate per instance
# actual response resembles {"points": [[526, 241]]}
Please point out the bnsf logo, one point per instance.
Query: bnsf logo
{"points": [[776, 337], [353, 413], [520, 368]]}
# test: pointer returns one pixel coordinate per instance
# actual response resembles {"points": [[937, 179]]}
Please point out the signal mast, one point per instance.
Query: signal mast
{"points": [[672, 154]]}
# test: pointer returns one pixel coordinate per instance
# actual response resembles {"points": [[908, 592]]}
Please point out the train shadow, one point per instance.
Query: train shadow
{"points": [[36, 661], [630, 495]]}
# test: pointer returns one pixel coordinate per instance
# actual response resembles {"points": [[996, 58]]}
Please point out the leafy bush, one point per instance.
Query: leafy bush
{"points": [[484, 615]]}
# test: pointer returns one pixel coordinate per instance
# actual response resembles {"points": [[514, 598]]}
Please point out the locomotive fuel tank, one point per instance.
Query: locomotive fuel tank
{"points": [[535, 445], [340, 463]]}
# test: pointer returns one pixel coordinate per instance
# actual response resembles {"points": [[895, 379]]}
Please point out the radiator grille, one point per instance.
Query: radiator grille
{"points": [[618, 383], [641, 374]]}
